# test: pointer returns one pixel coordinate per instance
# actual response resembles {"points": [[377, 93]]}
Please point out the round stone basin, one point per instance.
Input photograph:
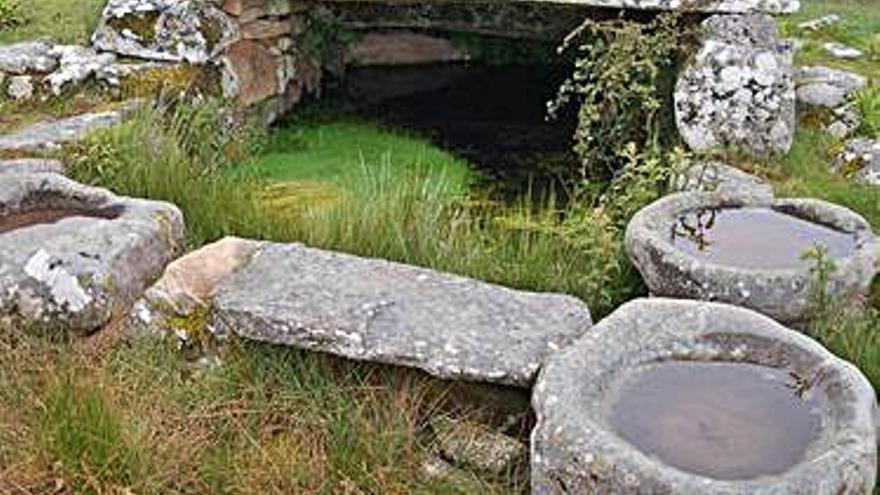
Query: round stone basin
{"points": [[72, 256], [751, 251], [681, 397]]}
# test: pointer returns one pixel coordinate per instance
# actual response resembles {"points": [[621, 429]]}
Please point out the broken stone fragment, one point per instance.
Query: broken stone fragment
{"points": [[384, 312], [839, 50], [820, 23], [476, 447], [27, 58], [20, 88], [73, 256], [738, 91], [76, 64]]}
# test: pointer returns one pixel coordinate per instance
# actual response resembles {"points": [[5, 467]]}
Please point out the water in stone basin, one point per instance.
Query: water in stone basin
{"points": [[728, 421], [759, 238], [49, 216]]}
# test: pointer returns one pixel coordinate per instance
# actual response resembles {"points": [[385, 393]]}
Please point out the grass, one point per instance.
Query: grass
{"points": [[859, 27], [128, 419], [64, 21]]}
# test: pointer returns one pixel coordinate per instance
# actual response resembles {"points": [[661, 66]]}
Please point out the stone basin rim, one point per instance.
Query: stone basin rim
{"points": [[49, 190], [848, 431], [840, 219]]}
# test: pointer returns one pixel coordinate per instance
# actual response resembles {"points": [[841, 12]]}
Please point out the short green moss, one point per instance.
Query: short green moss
{"points": [[194, 326]]}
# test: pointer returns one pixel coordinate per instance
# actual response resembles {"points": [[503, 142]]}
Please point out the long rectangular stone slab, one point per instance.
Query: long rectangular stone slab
{"points": [[375, 310], [711, 6]]}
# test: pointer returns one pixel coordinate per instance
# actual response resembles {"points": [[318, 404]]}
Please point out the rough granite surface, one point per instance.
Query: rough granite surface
{"points": [[575, 451], [374, 310], [76, 272], [51, 135]]}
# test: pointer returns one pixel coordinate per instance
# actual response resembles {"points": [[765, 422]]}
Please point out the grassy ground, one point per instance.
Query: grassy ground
{"points": [[65, 21]]}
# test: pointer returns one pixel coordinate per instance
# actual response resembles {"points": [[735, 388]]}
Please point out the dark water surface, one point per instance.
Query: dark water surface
{"points": [[51, 216], [726, 421], [493, 116], [758, 238]]}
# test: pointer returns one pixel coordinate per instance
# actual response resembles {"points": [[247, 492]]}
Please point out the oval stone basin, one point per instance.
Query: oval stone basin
{"points": [[749, 251], [679, 397], [72, 256]]}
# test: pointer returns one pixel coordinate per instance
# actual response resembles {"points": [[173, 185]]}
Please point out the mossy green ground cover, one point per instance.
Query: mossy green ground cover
{"points": [[64, 21]]}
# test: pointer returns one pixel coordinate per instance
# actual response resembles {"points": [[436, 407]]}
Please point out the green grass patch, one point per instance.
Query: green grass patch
{"points": [[64, 21], [859, 27], [343, 152]]}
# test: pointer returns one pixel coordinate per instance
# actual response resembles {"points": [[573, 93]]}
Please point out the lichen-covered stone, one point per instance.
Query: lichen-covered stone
{"points": [[375, 310], [860, 160], [88, 257], [21, 88], [164, 30], [575, 449], [826, 87], [27, 58], [738, 91], [477, 447], [839, 50], [785, 294], [75, 65]]}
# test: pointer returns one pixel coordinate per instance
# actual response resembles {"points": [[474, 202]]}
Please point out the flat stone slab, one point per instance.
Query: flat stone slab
{"points": [[715, 6], [578, 448], [73, 256], [375, 310], [51, 135], [826, 87]]}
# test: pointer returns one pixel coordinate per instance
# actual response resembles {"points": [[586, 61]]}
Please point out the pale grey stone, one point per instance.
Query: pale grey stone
{"points": [[719, 6], [575, 449], [20, 88], [860, 160], [31, 165], [738, 91], [826, 87], [839, 50], [785, 294], [75, 273], [716, 176], [27, 58], [375, 310], [51, 135], [820, 23]]}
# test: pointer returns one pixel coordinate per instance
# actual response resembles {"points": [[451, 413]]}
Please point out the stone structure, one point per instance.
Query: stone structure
{"points": [[576, 448], [785, 292], [738, 92], [72, 256]]}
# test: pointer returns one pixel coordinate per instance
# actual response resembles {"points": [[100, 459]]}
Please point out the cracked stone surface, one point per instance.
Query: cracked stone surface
{"points": [[575, 450], [739, 90], [826, 87], [784, 294], [374, 310], [74, 256]]}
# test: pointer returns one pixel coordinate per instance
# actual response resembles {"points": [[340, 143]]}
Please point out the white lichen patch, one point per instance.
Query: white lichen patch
{"points": [[64, 287]]}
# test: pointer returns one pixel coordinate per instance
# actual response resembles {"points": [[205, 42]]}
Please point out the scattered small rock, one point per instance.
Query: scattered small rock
{"points": [[20, 88], [476, 447], [839, 50], [826, 87], [820, 23], [860, 160]]}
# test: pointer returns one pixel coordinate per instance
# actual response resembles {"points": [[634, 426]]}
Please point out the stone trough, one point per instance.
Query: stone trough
{"points": [[750, 250], [696, 398], [72, 256]]}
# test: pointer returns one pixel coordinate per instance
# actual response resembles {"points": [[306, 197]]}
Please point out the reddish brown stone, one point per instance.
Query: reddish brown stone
{"points": [[255, 70], [263, 29]]}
